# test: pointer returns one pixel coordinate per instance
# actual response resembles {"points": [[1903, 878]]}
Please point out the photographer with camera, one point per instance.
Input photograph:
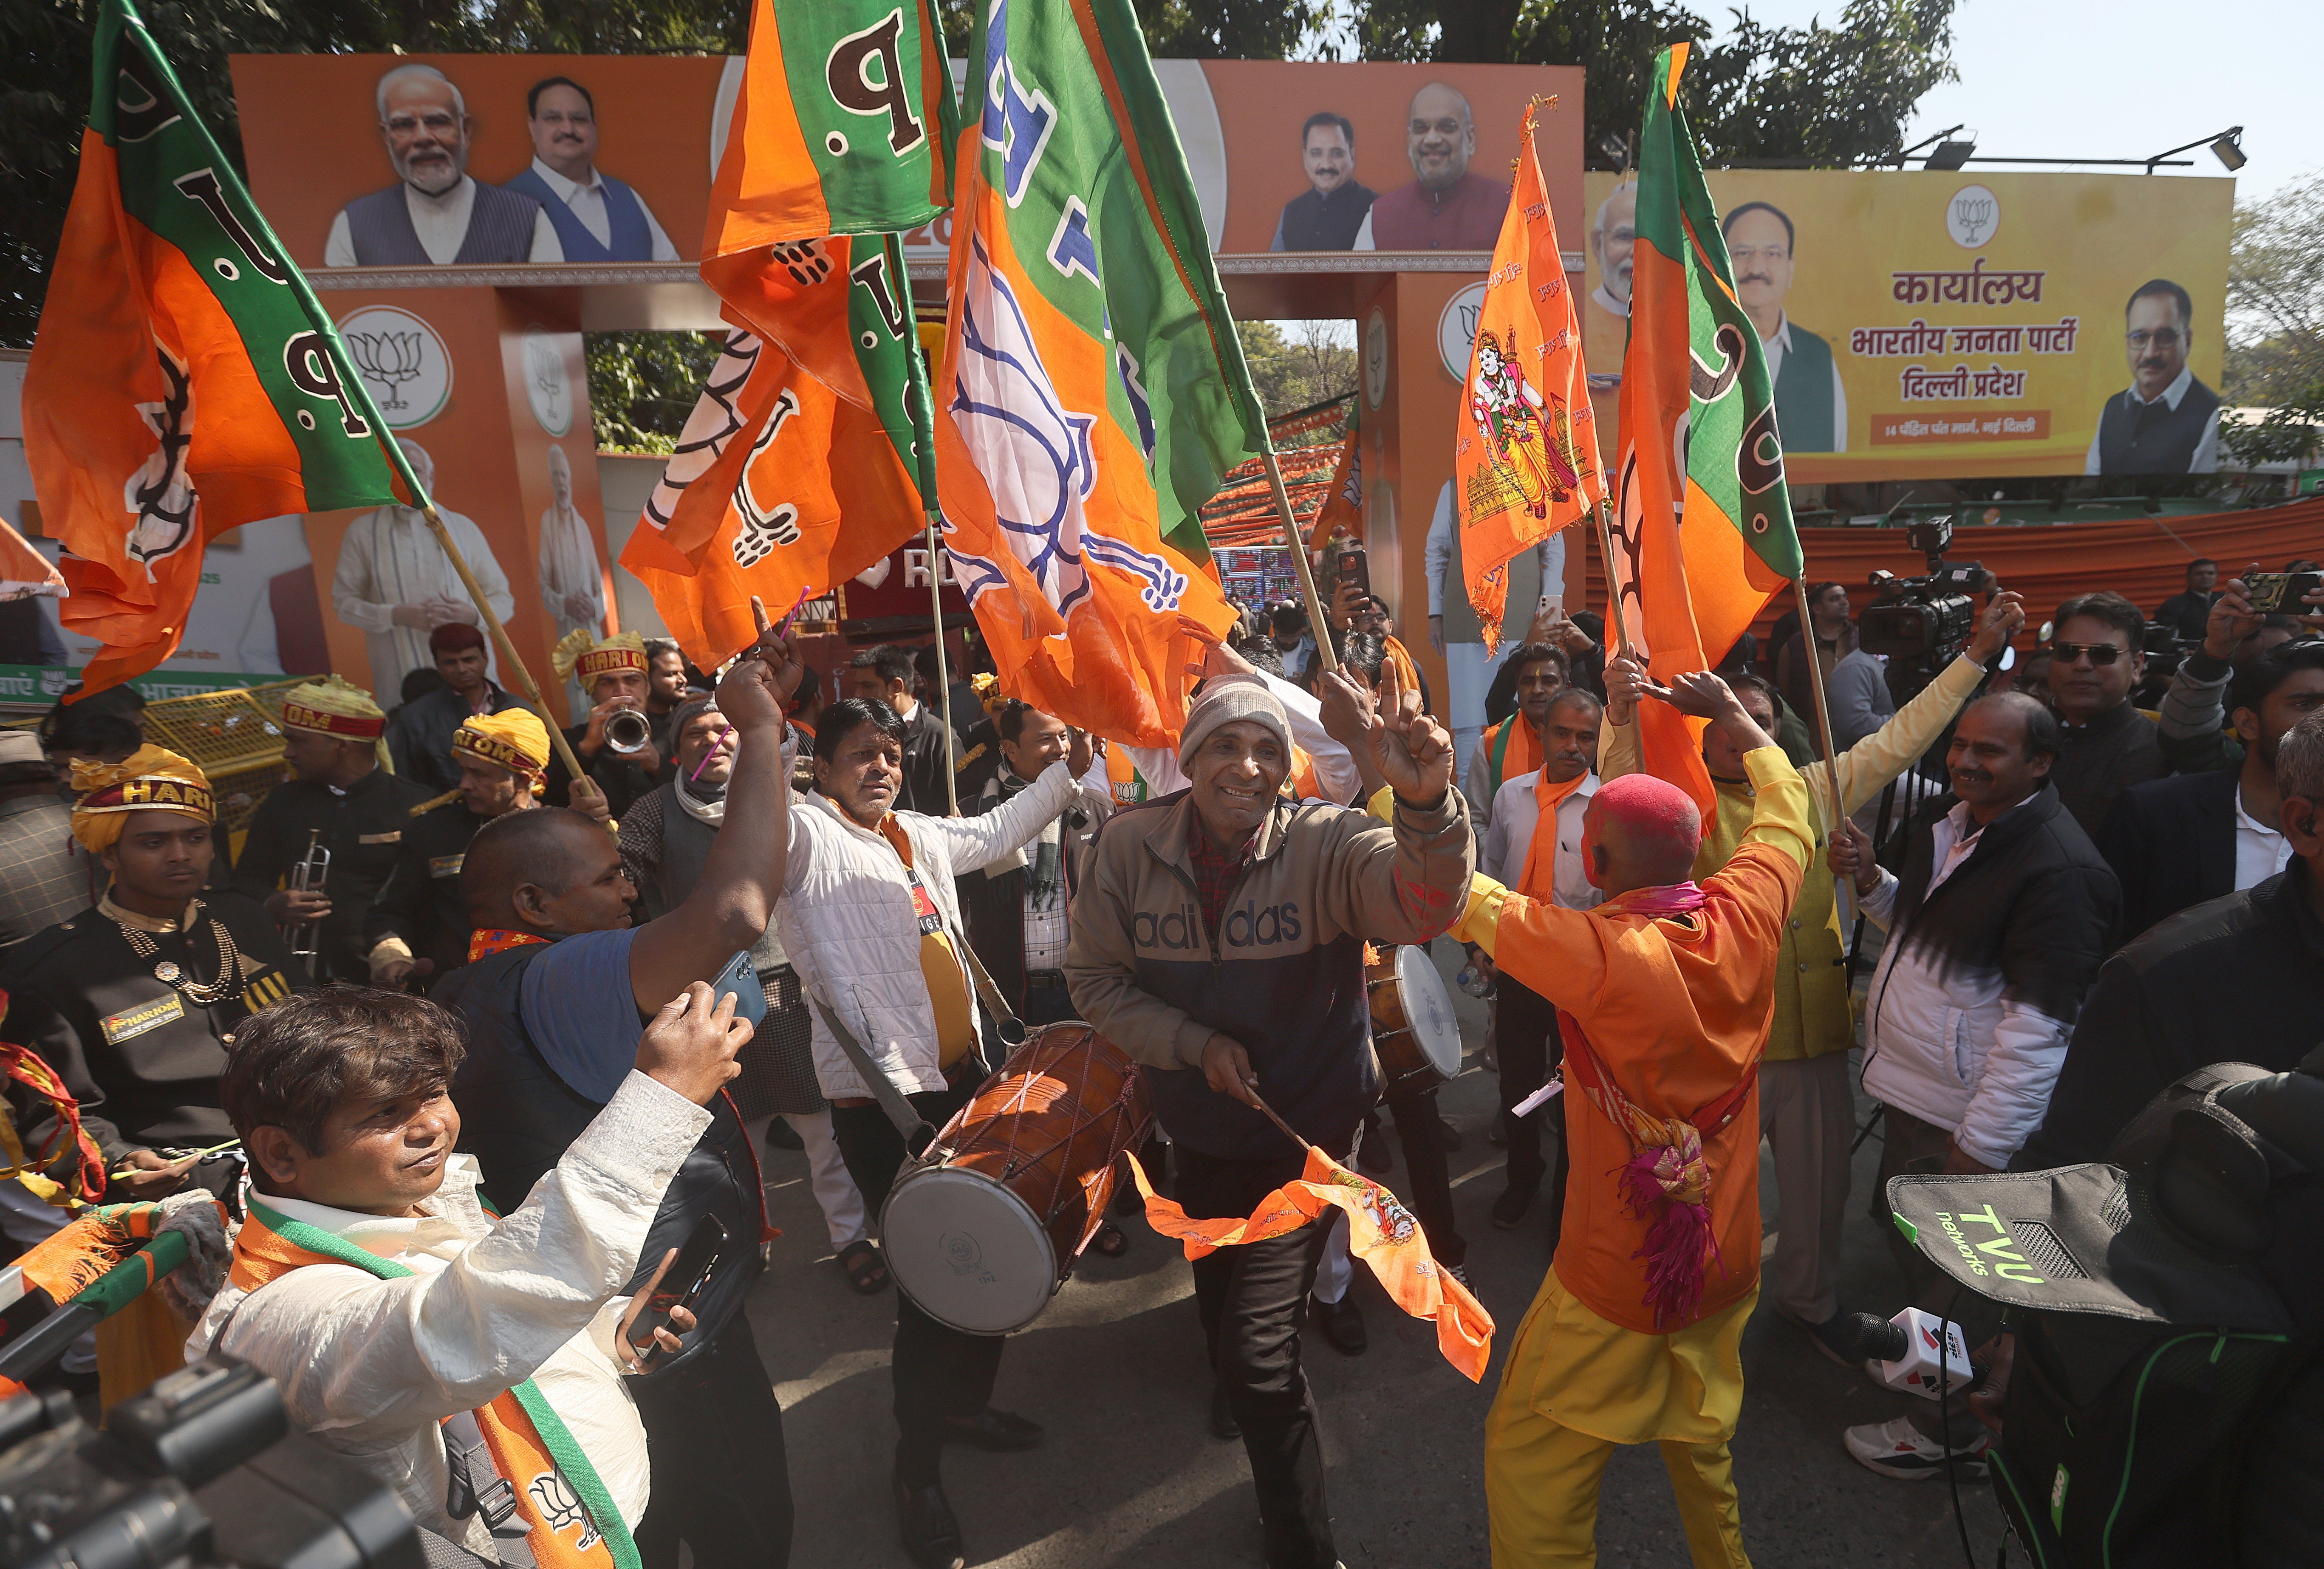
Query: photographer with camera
{"points": [[2196, 736], [474, 1364]]}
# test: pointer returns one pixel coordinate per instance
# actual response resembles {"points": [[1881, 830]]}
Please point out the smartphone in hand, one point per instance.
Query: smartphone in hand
{"points": [[680, 1284]]}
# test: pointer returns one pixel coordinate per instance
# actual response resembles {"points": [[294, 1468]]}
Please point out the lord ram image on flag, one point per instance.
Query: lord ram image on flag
{"points": [[1921, 324], [1527, 439]]}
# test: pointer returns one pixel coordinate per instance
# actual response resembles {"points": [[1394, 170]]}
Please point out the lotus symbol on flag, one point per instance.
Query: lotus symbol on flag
{"points": [[389, 358], [1032, 450], [160, 495]]}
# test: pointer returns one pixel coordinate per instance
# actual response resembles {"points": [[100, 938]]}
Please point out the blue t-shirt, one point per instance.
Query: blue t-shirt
{"points": [[579, 1008]]}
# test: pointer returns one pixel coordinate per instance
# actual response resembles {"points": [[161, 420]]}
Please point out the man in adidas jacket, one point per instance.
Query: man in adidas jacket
{"points": [[342, 1099]]}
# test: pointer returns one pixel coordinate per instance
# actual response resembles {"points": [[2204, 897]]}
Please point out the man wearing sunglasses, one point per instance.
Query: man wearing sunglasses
{"points": [[2104, 745], [2166, 421]]}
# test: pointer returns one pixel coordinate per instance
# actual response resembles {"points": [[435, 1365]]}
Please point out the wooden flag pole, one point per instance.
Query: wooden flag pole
{"points": [[1316, 620], [944, 678], [1613, 585], [516, 665], [1824, 732]]}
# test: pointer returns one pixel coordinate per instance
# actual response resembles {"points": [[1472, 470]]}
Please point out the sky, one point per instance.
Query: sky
{"points": [[2125, 78]]}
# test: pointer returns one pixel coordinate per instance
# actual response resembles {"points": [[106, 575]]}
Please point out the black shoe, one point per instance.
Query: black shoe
{"points": [[931, 1534], [1511, 1207], [781, 1135], [1342, 1323], [999, 1431], [1223, 1417]]}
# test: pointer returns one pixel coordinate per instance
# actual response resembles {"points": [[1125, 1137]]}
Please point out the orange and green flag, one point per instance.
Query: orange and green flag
{"points": [[184, 380], [1342, 511], [1703, 531], [783, 483], [844, 124], [1093, 394], [1524, 458]]}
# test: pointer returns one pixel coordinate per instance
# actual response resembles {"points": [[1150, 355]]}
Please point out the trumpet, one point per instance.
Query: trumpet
{"points": [[627, 731], [308, 876]]}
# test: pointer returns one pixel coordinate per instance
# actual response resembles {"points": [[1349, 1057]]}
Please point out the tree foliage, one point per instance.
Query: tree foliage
{"points": [[1298, 369], [2275, 322], [643, 384]]}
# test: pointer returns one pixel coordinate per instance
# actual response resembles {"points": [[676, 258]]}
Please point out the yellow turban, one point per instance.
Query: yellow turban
{"points": [[151, 780], [515, 739], [334, 707], [580, 657]]}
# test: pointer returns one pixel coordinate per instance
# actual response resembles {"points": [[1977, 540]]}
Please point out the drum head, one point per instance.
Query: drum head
{"points": [[967, 1251], [1428, 1008]]}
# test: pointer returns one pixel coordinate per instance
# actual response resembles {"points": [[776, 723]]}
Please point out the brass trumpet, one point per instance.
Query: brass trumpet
{"points": [[308, 876], [627, 730]]}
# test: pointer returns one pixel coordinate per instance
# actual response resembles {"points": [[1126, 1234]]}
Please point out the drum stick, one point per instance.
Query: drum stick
{"points": [[1288, 1131], [1539, 1098]]}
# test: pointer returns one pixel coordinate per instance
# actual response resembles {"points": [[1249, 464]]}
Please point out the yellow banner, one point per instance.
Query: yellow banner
{"points": [[1925, 324]]}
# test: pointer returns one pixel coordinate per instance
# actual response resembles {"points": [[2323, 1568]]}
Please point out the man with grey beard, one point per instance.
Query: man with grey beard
{"points": [[434, 213]]}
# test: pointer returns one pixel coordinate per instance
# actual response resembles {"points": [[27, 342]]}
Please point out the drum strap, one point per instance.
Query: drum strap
{"points": [[916, 1134]]}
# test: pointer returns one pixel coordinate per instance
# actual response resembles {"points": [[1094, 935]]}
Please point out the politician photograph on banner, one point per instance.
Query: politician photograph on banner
{"points": [[1326, 216], [1919, 324]]}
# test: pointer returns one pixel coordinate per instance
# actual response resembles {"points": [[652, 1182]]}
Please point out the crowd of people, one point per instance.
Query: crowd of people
{"points": [[472, 1091]]}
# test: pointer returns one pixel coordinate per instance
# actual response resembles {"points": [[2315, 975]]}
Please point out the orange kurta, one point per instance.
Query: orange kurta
{"points": [[1677, 1009]]}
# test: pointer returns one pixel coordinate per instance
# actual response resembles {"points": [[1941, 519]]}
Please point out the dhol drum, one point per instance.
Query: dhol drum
{"points": [[1413, 1031], [982, 1230]]}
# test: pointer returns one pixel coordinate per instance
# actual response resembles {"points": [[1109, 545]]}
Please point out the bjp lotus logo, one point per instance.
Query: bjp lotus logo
{"points": [[404, 360]]}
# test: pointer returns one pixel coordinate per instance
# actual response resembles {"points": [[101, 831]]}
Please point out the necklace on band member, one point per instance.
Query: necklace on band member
{"points": [[167, 971]]}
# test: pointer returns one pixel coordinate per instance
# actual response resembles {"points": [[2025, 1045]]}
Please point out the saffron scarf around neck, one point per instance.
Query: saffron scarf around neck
{"points": [[1540, 878], [572, 1521]]}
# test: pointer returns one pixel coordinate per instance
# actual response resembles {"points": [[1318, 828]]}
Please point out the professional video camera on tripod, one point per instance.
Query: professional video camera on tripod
{"points": [[1920, 624]]}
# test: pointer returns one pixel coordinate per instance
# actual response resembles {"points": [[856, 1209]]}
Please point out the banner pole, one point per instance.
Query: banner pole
{"points": [[1316, 621], [943, 677], [515, 663], [1824, 732]]}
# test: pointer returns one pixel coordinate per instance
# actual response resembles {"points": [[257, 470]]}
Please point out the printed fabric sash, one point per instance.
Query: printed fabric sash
{"points": [[1665, 1183], [1381, 1231], [84, 1180], [572, 1520], [1540, 878], [487, 941]]}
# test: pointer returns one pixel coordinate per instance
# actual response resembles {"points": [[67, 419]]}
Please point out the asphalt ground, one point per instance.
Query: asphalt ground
{"points": [[1129, 1473]]}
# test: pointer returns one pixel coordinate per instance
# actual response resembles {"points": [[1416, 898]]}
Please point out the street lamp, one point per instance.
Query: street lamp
{"points": [[2227, 147]]}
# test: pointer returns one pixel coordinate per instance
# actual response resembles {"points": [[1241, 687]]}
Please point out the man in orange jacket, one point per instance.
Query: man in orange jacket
{"points": [[1665, 997]]}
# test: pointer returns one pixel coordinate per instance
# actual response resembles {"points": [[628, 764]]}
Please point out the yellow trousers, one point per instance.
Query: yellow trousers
{"points": [[1540, 1485]]}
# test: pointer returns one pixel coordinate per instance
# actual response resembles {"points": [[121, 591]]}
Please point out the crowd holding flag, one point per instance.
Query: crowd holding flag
{"points": [[185, 380], [1694, 382], [1093, 391], [1524, 458]]}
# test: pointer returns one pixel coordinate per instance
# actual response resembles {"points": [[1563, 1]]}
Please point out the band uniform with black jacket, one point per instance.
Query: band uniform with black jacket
{"points": [[362, 826], [143, 1054], [422, 903]]}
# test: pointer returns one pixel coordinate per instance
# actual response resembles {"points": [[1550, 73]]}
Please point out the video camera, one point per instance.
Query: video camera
{"points": [[1920, 624], [201, 1470]]}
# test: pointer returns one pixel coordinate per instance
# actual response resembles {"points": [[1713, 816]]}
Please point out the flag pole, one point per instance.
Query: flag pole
{"points": [[1316, 620], [944, 678], [1605, 541], [1824, 732]]}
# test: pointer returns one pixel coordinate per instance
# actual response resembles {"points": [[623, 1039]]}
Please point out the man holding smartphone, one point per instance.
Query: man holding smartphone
{"points": [[557, 982]]}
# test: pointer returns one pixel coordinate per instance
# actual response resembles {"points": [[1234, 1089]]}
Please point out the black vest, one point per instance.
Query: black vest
{"points": [[2154, 438], [500, 229], [517, 1118]]}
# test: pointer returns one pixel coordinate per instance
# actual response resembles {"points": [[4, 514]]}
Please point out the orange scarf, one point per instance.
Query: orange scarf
{"points": [[558, 1493], [1540, 878], [1512, 749], [1381, 1231]]}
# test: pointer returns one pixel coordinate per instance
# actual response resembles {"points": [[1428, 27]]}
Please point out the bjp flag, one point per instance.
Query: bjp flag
{"points": [[1704, 535], [784, 484], [844, 124], [1093, 394], [1525, 461], [184, 380], [1344, 503]]}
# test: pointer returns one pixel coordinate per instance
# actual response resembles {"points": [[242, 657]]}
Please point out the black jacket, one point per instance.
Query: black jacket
{"points": [[422, 902], [622, 780], [2172, 843], [360, 828], [2240, 979], [924, 764], [420, 735], [2034, 902]]}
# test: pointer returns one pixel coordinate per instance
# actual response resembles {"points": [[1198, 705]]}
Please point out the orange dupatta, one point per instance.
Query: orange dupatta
{"points": [[1540, 878]]}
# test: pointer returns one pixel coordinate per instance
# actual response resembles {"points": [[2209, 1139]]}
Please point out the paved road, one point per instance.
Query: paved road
{"points": [[1130, 1475]]}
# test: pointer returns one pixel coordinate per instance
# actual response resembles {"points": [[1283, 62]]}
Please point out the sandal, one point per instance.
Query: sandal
{"points": [[865, 1270], [1112, 1241]]}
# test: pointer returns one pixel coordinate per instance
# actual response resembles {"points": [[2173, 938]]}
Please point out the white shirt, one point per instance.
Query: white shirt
{"points": [[588, 204], [390, 557], [1779, 346], [568, 566], [2206, 451], [1550, 553], [1516, 819], [441, 222], [2261, 851]]}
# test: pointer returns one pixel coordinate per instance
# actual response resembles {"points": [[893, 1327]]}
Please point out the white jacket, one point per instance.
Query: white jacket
{"points": [[1943, 1044], [368, 1367], [846, 920]]}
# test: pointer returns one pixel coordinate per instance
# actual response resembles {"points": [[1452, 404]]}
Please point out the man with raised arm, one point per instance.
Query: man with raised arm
{"points": [[1664, 996]]}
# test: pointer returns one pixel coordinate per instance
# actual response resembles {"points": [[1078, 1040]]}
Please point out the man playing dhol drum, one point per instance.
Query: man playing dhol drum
{"points": [[871, 923], [1219, 938]]}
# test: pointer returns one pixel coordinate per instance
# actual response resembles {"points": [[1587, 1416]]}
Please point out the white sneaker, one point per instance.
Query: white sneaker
{"points": [[1898, 1449]]}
